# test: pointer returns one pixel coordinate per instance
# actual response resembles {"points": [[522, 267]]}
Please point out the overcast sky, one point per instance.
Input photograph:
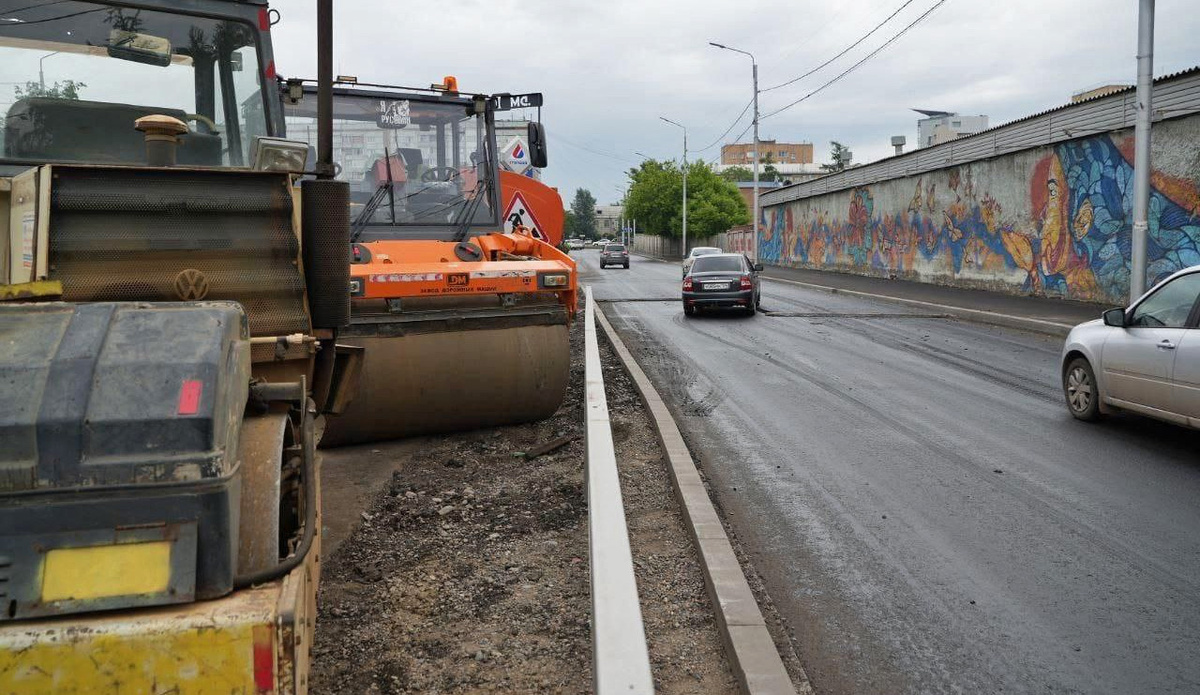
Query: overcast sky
{"points": [[610, 69]]}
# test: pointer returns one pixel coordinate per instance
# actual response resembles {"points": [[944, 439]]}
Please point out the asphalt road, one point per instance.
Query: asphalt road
{"points": [[925, 514]]}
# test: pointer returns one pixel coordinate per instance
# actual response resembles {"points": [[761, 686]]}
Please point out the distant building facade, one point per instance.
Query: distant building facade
{"points": [[608, 220], [1097, 92], [943, 126], [742, 153]]}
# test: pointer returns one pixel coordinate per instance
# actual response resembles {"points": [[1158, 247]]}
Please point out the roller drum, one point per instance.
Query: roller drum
{"points": [[453, 381], [325, 215]]}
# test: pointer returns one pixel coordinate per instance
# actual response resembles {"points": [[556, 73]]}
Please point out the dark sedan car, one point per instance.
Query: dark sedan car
{"points": [[721, 280], [614, 254]]}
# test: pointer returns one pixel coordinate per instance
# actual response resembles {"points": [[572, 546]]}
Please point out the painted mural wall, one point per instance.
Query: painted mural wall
{"points": [[1051, 221]]}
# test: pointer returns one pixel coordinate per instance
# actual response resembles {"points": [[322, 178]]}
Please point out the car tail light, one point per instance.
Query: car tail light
{"points": [[746, 282], [687, 284], [624, 253]]}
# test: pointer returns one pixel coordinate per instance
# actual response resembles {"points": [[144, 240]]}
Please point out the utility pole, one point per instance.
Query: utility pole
{"points": [[1141, 151], [754, 66], [685, 178]]}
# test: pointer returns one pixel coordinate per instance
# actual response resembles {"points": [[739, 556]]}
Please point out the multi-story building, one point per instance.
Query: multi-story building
{"points": [[608, 220], [742, 153], [944, 126], [1097, 92]]}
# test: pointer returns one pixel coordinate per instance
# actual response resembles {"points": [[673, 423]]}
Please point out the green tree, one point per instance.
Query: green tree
{"points": [[569, 225], [655, 200], [67, 89], [738, 173], [839, 156], [583, 214]]}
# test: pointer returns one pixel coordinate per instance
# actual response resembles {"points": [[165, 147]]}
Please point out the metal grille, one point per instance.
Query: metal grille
{"points": [[130, 235]]}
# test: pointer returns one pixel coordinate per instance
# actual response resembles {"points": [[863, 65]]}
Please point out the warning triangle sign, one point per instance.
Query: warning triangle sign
{"points": [[518, 213]]}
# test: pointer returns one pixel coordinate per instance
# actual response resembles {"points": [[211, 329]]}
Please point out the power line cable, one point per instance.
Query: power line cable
{"points": [[731, 127], [610, 155], [849, 48], [869, 56]]}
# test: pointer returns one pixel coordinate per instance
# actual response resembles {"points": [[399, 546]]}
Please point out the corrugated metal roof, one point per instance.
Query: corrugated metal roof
{"points": [[1175, 95]]}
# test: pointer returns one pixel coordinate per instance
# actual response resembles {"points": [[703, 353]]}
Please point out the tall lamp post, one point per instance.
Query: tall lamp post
{"points": [[754, 66], [41, 73], [1141, 149], [685, 173]]}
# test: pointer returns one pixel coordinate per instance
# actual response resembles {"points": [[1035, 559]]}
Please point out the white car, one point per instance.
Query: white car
{"points": [[696, 253], [1144, 359]]}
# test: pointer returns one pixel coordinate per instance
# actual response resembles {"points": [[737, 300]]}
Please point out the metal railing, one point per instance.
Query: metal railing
{"points": [[620, 658]]}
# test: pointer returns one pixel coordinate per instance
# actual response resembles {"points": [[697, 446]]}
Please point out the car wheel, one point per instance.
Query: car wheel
{"points": [[688, 310], [601, 266], [1081, 390]]}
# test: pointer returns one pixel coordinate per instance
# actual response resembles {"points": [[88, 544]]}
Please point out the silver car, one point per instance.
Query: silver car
{"points": [[1144, 359]]}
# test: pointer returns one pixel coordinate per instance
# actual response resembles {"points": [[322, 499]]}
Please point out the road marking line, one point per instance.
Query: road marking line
{"points": [[979, 315]]}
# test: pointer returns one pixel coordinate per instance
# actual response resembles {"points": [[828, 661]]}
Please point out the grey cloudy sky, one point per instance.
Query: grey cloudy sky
{"points": [[610, 69]]}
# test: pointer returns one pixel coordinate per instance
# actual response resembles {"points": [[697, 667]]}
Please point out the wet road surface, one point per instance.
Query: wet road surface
{"points": [[925, 513]]}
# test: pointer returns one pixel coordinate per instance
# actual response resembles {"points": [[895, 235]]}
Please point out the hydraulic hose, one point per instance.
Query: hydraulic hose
{"points": [[309, 471]]}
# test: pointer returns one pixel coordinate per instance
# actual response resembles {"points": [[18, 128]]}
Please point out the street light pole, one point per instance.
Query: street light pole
{"points": [[41, 74], [685, 177], [1141, 149], [754, 66]]}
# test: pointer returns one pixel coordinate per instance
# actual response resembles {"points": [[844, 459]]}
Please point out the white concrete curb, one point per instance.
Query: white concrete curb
{"points": [[748, 644]]}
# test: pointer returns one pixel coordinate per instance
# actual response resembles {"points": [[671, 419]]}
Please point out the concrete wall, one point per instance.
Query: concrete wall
{"points": [[1051, 220], [669, 248]]}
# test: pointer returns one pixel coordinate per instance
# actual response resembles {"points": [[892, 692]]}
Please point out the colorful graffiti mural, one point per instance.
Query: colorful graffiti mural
{"points": [[1069, 238]]}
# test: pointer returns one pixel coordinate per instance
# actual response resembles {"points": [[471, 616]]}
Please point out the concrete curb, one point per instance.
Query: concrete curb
{"points": [[751, 651], [976, 315]]}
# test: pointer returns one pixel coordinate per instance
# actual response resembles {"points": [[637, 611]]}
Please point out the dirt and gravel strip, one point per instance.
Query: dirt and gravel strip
{"points": [[468, 571]]}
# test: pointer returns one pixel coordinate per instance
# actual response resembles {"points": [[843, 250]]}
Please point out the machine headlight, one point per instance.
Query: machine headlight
{"points": [[278, 154], [554, 280]]}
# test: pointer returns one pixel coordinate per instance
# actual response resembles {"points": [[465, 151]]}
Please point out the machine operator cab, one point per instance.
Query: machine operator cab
{"points": [[81, 73], [421, 163]]}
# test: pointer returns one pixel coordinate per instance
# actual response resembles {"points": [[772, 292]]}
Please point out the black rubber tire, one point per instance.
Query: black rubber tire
{"points": [[626, 266], [689, 310], [1079, 373], [601, 266]]}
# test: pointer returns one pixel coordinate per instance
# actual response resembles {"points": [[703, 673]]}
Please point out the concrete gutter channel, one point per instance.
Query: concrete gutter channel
{"points": [[994, 318], [748, 645]]}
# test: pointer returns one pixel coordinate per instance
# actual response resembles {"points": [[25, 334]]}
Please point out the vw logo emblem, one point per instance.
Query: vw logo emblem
{"points": [[191, 285]]}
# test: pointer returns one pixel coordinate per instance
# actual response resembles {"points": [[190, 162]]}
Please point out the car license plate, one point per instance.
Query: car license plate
{"points": [[716, 285]]}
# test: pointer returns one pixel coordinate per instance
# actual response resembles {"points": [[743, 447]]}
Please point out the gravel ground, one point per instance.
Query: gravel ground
{"points": [[468, 572]]}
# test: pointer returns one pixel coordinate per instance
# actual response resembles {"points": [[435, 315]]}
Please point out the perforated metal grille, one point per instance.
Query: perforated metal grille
{"points": [[132, 235]]}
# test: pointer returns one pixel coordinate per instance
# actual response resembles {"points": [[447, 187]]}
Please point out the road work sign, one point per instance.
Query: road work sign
{"points": [[518, 213], [515, 156]]}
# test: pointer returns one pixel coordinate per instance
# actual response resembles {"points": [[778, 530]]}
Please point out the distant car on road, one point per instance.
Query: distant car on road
{"points": [[696, 253], [722, 280], [1144, 359], [601, 242], [575, 243], [614, 254]]}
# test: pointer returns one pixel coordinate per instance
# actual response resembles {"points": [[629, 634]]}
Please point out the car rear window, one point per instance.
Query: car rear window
{"points": [[701, 251], [718, 264], [614, 247]]}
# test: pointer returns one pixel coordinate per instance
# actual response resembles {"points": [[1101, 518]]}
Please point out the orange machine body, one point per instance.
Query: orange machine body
{"points": [[541, 205], [513, 263]]}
